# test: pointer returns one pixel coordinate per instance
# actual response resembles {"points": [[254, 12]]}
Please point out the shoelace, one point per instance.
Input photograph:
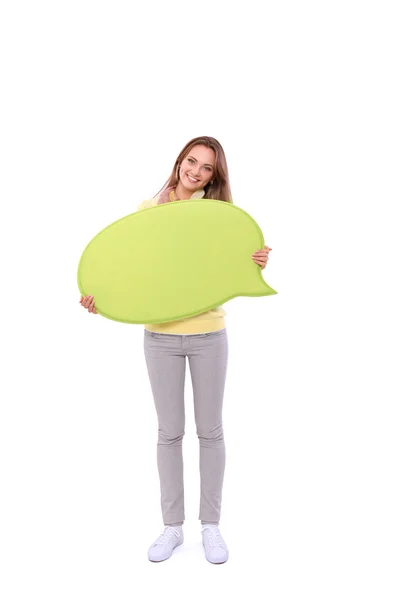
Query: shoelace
{"points": [[166, 536], [214, 537]]}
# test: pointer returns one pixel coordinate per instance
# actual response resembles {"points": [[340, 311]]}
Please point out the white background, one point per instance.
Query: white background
{"points": [[312, 104]]}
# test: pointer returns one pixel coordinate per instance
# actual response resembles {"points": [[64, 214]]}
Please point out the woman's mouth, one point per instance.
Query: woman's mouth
{"points": [[192, 179]]}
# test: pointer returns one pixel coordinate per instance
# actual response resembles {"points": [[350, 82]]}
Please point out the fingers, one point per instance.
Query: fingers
{"points": [[260, 260], [261, 253], [261, 257], [88, 302], [264, 252], [261, 263]]}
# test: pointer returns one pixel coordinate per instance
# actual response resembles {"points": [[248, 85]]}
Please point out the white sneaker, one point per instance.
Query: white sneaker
{"points": [[163, 547], [215, 548]]}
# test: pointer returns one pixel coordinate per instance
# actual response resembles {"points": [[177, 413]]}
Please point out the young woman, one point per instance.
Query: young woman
{"points": [[200, 171]]}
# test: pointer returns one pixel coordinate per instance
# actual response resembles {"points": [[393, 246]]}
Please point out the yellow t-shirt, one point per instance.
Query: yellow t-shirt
{"points": [[211, 320]]}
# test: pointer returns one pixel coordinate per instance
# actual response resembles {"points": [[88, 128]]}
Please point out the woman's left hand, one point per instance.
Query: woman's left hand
{"points": [[261, 257]]}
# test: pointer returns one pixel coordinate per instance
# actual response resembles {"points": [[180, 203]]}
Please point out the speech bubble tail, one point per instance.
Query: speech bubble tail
{"points": [[270, 291], [260, 288], [266, 290]]}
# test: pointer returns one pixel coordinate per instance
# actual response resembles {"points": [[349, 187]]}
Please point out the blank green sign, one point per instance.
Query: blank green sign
{"points": [[173, 261]]}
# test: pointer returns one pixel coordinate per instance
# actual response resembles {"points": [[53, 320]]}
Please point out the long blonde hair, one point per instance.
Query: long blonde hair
{"points": [[220, 188]]}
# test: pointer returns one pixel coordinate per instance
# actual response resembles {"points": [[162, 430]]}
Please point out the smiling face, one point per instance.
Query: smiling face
{"points": [[196, 169]]}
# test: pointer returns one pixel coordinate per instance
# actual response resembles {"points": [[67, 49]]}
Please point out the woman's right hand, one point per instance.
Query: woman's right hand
{"points": [[88, 302]]}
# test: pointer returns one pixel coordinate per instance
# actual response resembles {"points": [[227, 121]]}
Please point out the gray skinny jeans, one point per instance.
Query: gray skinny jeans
{"points": [[166, 364]]}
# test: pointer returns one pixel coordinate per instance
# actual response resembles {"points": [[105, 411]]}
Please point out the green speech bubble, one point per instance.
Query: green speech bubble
{"points": [[173, 261]]}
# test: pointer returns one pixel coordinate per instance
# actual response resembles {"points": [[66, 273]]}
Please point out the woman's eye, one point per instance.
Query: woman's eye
{"points": [[191, 160]]}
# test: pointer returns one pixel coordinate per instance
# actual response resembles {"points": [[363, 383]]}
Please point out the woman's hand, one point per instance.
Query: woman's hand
{"points": [[88, 302], [261, 257]]}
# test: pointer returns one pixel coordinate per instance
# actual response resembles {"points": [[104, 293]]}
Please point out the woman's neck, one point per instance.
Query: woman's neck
{"points": [[182, 193]]}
